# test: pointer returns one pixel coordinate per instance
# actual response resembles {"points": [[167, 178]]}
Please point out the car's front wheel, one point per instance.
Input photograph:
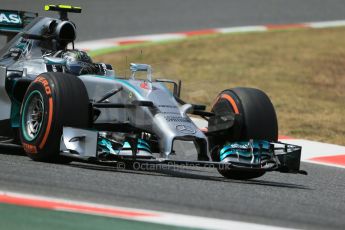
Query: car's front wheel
{"points": [[52, 100], [257, 121]]}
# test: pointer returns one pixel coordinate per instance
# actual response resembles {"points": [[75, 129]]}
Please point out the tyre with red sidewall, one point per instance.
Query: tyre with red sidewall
{"points": [[52, 100]]}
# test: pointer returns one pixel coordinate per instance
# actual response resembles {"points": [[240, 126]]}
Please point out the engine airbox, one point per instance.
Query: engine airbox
{"points": [[65, 31]]}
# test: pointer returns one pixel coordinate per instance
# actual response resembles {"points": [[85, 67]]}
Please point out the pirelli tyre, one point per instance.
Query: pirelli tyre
{"points": [[256, 119], [52, 100]]}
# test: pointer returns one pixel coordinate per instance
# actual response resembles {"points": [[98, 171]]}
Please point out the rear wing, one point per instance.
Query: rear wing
{"points": [[13, 21]]}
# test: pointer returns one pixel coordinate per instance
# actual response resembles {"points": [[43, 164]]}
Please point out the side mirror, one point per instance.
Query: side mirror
{"points": [[177, 86]]}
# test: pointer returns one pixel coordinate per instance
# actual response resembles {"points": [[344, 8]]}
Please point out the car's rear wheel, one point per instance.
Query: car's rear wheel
{"points": [[52, 100], [257, 121]]}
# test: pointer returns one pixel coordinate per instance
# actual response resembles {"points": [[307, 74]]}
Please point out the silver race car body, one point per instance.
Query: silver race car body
{"points": [[130, 119]]}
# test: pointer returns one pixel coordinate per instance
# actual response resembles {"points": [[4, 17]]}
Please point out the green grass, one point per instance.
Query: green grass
{"points": [[17, 218], [303, 72]]}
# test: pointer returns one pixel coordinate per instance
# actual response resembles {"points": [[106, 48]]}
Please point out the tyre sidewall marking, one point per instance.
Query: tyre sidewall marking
{"points": [[29, 148], [48, 91], [231, 101], [45, 84], [50, 118]]}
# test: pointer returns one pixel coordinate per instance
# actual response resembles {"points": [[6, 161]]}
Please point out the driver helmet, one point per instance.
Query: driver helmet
{"points": [[78, 62]]}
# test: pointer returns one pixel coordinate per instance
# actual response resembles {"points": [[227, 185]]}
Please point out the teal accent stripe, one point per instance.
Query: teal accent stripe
{"points": [[225, 149], [141, 145], [105, 77], [129, 85], [144, 143], [243, 148], [121, 81]]}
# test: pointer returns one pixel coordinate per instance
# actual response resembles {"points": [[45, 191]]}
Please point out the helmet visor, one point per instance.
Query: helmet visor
{"points": [[79, 68]]}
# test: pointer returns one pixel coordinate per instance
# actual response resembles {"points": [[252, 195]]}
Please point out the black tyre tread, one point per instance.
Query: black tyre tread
{"points": [[260, 120]]}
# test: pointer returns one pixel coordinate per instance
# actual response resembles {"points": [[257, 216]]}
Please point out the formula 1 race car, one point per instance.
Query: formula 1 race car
{"points": [[60, 106]]}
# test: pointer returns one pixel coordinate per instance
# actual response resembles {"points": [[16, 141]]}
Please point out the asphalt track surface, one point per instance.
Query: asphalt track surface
{"points": [[316, 201]]}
